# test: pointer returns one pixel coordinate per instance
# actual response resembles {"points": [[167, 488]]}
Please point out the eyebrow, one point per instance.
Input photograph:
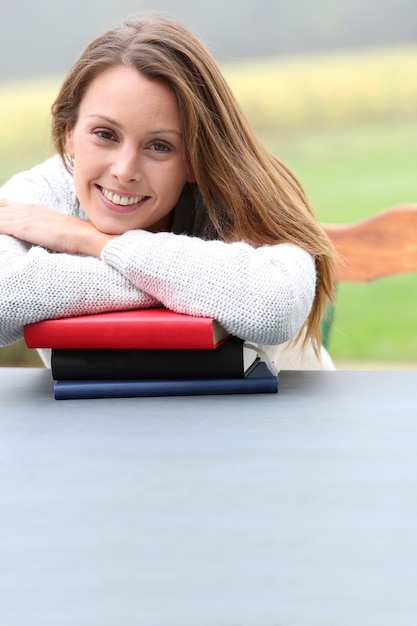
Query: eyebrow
{"points": [[113, 122]]}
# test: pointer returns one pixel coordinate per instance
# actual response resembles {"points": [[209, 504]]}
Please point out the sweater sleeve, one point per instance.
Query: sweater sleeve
{"points": [[37, 284], [259, 294]]}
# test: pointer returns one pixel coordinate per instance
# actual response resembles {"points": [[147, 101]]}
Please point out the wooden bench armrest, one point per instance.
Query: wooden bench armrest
{"points": [[377, 246]]}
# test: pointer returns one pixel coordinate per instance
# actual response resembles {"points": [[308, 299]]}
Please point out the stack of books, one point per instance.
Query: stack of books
{"points": [[147, 352]]}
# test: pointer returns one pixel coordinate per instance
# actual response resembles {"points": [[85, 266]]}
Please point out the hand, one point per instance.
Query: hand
{"points": [[43, 227]]}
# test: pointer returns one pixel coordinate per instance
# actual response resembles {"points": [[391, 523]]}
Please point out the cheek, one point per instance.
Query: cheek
{"points": [[81, 183], [85, 167], [177, 179], [173, 193]]}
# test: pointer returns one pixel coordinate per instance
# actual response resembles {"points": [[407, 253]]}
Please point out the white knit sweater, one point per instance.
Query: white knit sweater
{"points": [[263, 295]]}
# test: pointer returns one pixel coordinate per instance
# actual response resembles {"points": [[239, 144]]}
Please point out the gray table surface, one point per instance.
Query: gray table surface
{"points": [[277, 510]]}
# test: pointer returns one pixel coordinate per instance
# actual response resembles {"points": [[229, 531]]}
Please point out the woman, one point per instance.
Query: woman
{"points": [[160, 193]]}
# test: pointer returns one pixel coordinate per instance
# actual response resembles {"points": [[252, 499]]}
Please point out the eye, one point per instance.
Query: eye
{"points": [[159, 146], [104, 133]]}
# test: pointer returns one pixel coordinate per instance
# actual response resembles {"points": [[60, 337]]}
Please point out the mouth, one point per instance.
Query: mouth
{"points": [[120, 202]]}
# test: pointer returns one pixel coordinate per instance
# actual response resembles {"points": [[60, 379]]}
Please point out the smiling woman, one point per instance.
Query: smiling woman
{"points": [[161, 194], [129, 166]]}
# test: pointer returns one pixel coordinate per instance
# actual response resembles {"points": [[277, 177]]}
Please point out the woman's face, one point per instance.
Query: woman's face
{"points": [[127, 145]]}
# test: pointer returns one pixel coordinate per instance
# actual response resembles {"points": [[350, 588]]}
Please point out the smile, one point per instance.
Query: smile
{"points": [[121, 200]]}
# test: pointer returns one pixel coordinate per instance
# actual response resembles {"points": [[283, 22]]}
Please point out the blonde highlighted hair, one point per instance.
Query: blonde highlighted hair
{"points": [[248, 192]]}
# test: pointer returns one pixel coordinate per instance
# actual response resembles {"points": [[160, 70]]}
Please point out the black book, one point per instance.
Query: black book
{"points": [[231, 359]]}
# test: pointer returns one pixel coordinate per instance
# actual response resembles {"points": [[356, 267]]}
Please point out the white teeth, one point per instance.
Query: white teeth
{"points": [[121, 200]]}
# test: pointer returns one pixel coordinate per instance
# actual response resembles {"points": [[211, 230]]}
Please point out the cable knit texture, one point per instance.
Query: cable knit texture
{"points": [[263, 295]]}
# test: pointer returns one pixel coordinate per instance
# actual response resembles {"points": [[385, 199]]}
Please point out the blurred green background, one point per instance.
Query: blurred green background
{"points": [[345, 122]]}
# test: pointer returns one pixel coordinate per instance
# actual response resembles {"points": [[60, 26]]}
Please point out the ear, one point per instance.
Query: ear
{"points": [[190, 176], [69, 140]]}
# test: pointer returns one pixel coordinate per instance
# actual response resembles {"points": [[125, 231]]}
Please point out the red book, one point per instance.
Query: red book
{"points": [[144, 328]]}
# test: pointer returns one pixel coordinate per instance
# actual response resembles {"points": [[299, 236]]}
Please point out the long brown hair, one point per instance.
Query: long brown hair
{"points": [[248, 192]]}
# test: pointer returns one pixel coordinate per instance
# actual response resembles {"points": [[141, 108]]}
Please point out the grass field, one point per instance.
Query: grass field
{"points": [[354, 147]]}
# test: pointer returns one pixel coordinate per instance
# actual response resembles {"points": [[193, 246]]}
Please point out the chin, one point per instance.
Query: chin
{"points": [[112, 229]]}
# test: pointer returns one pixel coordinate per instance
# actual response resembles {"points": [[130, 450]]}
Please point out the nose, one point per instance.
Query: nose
{"points": [[126, 165]]}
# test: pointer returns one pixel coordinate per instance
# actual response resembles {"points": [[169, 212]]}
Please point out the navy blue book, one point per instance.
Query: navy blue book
{"points": [[259, 380]]}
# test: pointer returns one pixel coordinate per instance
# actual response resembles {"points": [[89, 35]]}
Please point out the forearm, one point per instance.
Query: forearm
{"points": [[263, 295], [37, 284]]}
